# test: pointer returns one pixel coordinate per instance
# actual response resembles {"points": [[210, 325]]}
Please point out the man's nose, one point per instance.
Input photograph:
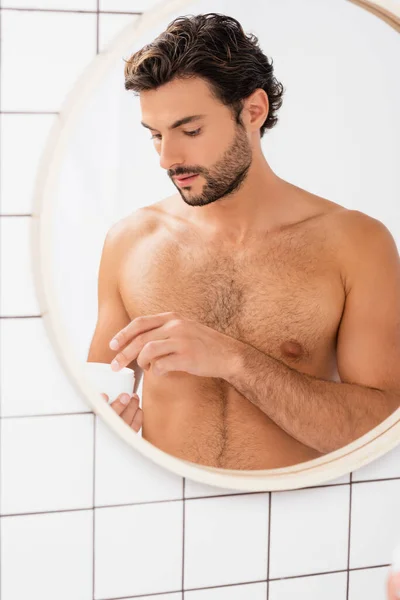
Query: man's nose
{"points": [[170, 155]]}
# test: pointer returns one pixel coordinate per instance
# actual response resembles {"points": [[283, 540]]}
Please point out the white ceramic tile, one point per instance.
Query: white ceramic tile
{"points": [[317, 587], [387, 465], [309, 531], [110, 26], [47, 556], [52, 4], [129, 5], [17, 158], [138, 549], [368, 583], [252, 591], [17, 292], [226, 540], [46, 463], [50, 390], [193, 489], [37, 46], [173, 596], [124, 476], [375, 522], [338, 481]]}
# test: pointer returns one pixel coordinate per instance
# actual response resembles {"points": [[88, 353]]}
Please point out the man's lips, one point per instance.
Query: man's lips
{"points": [[186, 180], [183, 177]]}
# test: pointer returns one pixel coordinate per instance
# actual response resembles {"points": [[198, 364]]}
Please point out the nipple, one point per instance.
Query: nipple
{"points": [[292, 349]]}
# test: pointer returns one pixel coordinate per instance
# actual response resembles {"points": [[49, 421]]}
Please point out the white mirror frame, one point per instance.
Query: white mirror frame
{"points": [[370, 446]]}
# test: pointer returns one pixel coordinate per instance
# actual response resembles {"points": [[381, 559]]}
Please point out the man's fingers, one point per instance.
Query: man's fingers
{"points": [[137, 420], [123, 409], [131, 413], [138, 326]]}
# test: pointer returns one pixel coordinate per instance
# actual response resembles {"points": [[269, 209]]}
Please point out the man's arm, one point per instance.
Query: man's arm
{"points": [[327, 415], [112, 315]]}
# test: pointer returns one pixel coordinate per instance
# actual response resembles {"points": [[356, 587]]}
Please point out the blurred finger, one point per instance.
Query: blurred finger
{"points": [[137, 421], [129, 411], [118, 405], [105, 397], [393, 586]]}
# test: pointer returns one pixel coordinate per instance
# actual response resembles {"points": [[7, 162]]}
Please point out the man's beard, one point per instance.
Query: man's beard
{"points": [[225, 177]]}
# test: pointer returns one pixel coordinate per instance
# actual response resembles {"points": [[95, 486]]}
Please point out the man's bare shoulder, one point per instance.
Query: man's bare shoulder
{"points": [[356, 227], [351, 227], [133, 227], [360, 238]]}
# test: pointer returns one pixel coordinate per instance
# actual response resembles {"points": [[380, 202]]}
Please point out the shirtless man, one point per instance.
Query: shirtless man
{"points": [[272, 314]]}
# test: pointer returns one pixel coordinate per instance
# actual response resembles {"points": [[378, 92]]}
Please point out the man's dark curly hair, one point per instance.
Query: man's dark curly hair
{"points": [[214, 47]]}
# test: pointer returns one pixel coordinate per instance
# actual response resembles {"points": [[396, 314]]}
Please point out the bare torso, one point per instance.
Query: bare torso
{"points": [[282, 294]]}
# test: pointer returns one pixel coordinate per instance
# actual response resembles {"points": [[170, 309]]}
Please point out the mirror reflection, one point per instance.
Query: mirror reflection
{"points": [[259, 318]]}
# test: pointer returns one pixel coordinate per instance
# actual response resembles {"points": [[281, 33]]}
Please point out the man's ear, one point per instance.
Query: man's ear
{"points": [[256, 109]]}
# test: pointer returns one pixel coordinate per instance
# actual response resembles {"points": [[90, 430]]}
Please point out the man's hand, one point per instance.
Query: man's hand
{"points": [[128, 408], [168, 342]]}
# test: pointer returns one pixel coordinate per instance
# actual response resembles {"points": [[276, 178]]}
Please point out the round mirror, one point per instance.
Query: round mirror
{"points": [[222, 198]]}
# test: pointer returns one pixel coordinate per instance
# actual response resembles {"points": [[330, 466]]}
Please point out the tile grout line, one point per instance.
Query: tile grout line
{"points": [[153, 595], [71, 11], [29, 112], [146, 502], [269, 540], [349, 537], [68, 414], [97, 26], [226, 585]]}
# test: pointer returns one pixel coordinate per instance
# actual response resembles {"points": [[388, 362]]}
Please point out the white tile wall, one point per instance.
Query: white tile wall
{"points": [[52, 4], [128, 5], [138, 549], [110, 25], [142, 538], [252, 591], [309, 531], [22, 142], [173, 596], [55, 474], [47, 388], [118, 471], [317, 587], [368, 583], [194, 489], [39, 62], [228, 537], [386, 466], [375, 515], [17, 293], [47, 556]]}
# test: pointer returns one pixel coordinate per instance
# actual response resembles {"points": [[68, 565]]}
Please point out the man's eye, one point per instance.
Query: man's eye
{"points": [[193, 133], [157, 136]]}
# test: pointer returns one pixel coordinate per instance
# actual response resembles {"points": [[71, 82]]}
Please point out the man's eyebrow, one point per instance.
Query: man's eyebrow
{"points": [[177, 123]]}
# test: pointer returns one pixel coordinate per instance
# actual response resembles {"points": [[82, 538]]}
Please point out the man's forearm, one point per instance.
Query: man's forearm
{"points": [[325, 415]]}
